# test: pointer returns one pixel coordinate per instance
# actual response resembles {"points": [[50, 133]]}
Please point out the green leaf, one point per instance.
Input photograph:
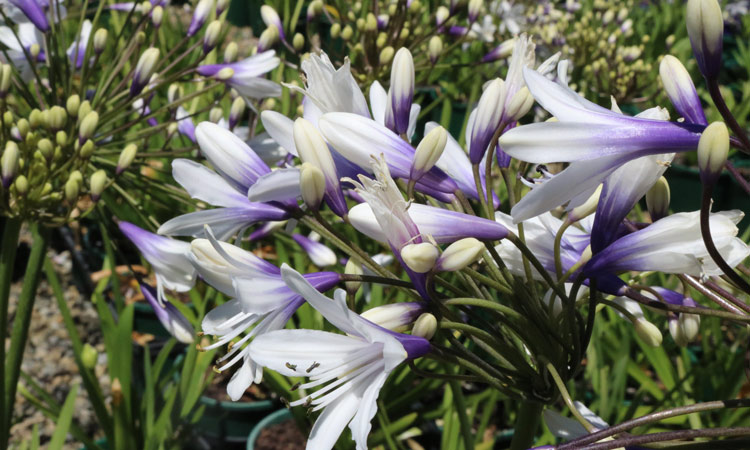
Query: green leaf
{"points": [[64, 420]]}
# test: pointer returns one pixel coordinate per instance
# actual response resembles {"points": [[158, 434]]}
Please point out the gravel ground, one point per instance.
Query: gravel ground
{"points": [[49, 356]]}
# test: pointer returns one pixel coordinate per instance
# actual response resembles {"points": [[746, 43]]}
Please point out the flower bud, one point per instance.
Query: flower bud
{"points": [[200, 14], [221, 6], [88, 126], [647, 331], [335, 30], [315, 8], [100, 40], [371, 23], [681, 90], [46, 147], [89, 355], [657, 199], [97, 184], [76, 175], [425, 326], [713, 149], [401, 92], [23, 127], [216, 114], [21, 184], [386, 55], [396, 317], [487, 120], [428, 152], [72, 105], [230, 53], [298, 41], [684, 329], [236, 112], [5, 72], [459, 255], [705, 26], [157, 15], [34, 50], [421, 257], [587, 208], [475, 7], [87, 149], [211, 38], [271, 19], [126, 158], [347, 33], [72, 189], [503, 50], [312, 184], [144, 69], [146, 6], [441, 15], [519, 105], [61, 138], [57, 117], [225, 74], [9, 163], [434, 48], [84, 109], [35, 118], [353, 267]]}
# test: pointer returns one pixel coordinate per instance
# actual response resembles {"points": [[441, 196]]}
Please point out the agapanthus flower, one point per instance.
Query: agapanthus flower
{"points": [[246, 76], [28, 35], [352, 367], [262, 303], [170, 317], [168, 258], [33, 10], [77, 50]]}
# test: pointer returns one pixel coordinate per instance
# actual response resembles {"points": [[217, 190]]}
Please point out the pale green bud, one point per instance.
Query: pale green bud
{"points": [[9, 162], [434, 48], [312, 184], [46, 147], [73, 104], [415, 6], [61, 138], [230, 53], [475, 7], [347, 33], [126, 158], [371, 23], [421, 257], [298, 41], [97, 184], [386, 55], [335, 30], [216, 114], [404, 33], [72, 189], [23, 127], [157, 15], [21, 184], [428, 152], [76, 175], [100, 40], [460, 254], [87, 149], [88, 125], [657, 199], [5, 72], [34, 50], [145, 7], [425, 326], [35, 119], [713, 149], [225, 74], [685, 328], [353, 267], [705, 26], [211, 37], [84, 109], [8, 119], [520, 104], [140, 38], [89, 355], [648, 332], [268, 38], [57, 117], [587, 208], [381, 40], [361, 23]]}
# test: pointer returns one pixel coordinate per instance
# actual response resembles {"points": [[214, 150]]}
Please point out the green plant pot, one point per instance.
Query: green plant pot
{"points": [[274, 418], [229, 422]]}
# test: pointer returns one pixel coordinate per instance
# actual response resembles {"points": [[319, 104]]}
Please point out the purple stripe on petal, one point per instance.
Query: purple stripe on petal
{"points": [[34, 12]]}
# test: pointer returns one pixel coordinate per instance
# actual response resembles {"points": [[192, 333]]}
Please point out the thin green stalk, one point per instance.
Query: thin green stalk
{"points": [[11, 231], [525, 428], [463, 418], [567, 399], [22, 320]]}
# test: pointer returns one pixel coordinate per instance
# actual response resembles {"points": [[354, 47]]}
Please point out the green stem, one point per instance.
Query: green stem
{"points": [[22, 320], [463, 418], [524, 431], [8, 247]]}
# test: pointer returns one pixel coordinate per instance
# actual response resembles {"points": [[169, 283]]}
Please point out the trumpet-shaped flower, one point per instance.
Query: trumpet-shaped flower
{"points": [[170, 317], [168, 257], [353, 367], [77, 50], [379, 105], [262, 303], [245, 75], [596, 140], [319, 254], [28, 35], [32, 9]]}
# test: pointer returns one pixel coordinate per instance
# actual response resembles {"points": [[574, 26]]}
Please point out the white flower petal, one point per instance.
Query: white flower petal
{"points": [[204, 184]]}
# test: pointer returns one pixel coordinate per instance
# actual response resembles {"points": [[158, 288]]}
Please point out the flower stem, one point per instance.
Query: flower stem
{"points": [[713, 89], [463, 418], [711, 247], [11, 231], [20, 331], [525, 428]]}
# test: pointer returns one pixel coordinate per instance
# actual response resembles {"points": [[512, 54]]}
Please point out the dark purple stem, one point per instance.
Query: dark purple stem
{"points": [[713, 89]]}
